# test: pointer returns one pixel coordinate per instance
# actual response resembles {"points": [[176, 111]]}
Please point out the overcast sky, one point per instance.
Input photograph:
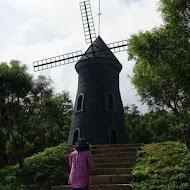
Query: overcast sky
{"points": [[31, 30]]}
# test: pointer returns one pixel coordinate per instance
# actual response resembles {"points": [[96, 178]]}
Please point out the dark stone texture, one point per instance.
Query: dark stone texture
{"points": [[98, 75]]}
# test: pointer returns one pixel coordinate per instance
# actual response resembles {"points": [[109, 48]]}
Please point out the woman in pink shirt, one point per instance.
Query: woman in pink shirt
{"points": [[81, 164]]}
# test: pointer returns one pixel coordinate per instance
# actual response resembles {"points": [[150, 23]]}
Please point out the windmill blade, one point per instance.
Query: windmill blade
{"points": [[118, 46], [57, 61], [87, 20]]}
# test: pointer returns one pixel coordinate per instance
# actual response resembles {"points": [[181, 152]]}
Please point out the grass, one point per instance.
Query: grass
{"points": [[162, 166], [40, 172]]}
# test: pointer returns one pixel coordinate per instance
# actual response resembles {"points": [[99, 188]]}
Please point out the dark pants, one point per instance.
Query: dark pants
{"points": [[85, 188]]}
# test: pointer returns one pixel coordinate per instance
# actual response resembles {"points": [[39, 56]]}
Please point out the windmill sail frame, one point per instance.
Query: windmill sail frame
{"points": [[87, 20], [57, 61], [90, 36], [73, 57]]}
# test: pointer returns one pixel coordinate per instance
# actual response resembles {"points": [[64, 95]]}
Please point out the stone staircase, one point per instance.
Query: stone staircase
{"points": [[113, 167]]}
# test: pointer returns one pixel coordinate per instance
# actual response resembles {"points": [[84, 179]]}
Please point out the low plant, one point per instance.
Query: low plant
{"points": [[163, 166], [40, 172]]}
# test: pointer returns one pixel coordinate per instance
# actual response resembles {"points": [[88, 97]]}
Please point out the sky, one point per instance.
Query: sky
{"points": [[31, 30]]}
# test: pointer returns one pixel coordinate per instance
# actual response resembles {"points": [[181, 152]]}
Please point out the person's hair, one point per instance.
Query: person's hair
{"points": [[82, 145]]}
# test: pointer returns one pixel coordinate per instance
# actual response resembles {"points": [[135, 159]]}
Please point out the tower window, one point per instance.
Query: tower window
{"points": [[109, 99], [113, 136], [76, 136], [80, 102]]}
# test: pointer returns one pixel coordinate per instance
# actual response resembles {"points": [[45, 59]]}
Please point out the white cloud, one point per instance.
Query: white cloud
{"points": [[49, 28]]}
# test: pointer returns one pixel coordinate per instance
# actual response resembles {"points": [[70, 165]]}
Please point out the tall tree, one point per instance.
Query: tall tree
{"points": [[32, 117], [161, 75], [15, 84], [54, 121]]}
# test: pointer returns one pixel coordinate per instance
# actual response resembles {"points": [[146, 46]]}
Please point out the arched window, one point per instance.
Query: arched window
{"points": [[113, 137], [80, 102], [76, 136], [110, 103]]}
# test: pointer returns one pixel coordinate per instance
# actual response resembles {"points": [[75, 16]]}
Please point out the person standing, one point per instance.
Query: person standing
{"points": [[81, 164]]}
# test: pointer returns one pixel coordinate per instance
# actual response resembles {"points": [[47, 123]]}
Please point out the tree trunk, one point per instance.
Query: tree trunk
{"points": [[187, 135], [21, 162]]}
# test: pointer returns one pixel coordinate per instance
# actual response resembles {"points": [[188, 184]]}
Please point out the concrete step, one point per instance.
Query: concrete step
{"points": [[112, 145], [111, 150], [115, 146], [115, 165], [98, 187], [110, 171], [114, 159], [114, 154], [111, 179], [111, 187]]}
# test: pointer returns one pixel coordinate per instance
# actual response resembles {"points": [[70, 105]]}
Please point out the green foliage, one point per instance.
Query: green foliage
{"points": [[15, 85], [54, 120], [41, 171], [32, 117], [156, 126], [161, 75], [14, 80], [176, 14], [163, 166], [136, 127]]}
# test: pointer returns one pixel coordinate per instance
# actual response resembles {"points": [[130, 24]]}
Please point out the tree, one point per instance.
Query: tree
{"points": [[155, 126], [3, 156], [32, 117], [137, 129], [161, 75], [42, 89], [54, 121], [15, 84]]}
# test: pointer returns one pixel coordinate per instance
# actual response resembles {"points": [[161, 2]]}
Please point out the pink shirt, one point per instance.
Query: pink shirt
{"points": [[81, 164]]}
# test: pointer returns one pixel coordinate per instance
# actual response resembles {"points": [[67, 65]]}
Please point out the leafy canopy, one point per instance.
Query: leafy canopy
{"points": [[161, 75]]}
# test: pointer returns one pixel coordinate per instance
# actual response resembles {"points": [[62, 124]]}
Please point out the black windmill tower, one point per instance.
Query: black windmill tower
{"points": [[98, 114]]}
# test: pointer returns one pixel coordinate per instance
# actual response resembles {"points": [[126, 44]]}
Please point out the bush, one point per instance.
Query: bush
{"points": [[41, 171], [164, 166]]}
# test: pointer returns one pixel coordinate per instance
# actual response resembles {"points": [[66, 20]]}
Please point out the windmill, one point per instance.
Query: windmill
{"points": [[98, 113]]}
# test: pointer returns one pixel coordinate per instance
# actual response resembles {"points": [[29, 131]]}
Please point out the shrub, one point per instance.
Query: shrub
{"points": [[41, 171], [164, 166]]}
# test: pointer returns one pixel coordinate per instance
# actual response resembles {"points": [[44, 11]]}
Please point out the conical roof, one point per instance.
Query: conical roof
{"points": [[98, 49]]}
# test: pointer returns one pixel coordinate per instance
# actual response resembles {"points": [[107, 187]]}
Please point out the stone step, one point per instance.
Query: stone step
{"points": [[111, 179], [111, 145], [111, 187], [114, 154], [111, 150], [115, 165], [98, 187], [114, 159], [104, 146], [110, 171]]}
